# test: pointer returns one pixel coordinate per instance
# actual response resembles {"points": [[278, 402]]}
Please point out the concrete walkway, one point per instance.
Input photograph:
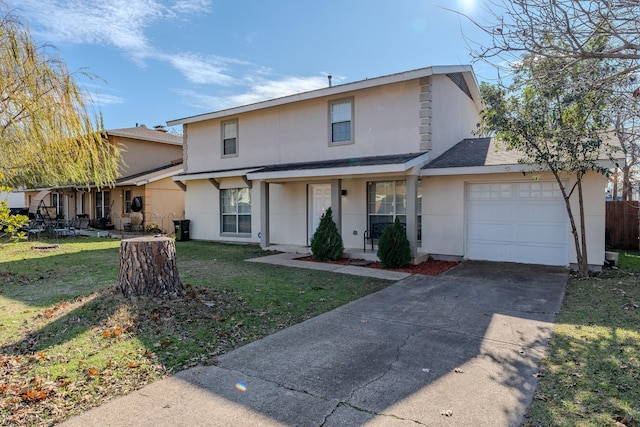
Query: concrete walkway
{"points": [[459, 349]]}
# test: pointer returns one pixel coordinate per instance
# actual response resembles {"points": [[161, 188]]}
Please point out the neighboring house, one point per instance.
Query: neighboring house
{"points": [[150, 157], [394, 146]]}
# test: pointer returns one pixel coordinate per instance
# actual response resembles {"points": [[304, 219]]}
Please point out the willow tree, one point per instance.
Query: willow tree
{"points": [[49, 134]]}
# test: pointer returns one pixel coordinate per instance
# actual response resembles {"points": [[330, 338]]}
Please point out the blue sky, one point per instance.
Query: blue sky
{"points": [[158, 60]]}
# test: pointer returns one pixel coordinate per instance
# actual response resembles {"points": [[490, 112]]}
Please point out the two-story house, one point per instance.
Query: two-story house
{"points": [[395, 146], [149, 159]]}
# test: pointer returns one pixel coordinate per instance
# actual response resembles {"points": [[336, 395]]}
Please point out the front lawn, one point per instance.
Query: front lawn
{"points": [[591, 375], [69, 340]]}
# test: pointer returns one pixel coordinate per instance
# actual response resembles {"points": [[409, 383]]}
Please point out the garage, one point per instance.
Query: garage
{"points": [[522, 222]]}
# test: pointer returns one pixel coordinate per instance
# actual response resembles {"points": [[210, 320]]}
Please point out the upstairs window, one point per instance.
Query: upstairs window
{"points": [[341, 118], [230, 138]]}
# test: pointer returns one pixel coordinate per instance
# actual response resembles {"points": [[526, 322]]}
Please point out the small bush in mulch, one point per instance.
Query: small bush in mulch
{"points": [[394, 249], [326, 242]]}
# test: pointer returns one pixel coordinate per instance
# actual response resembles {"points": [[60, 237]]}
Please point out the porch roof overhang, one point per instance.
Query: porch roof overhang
{"points": [[150, 176], [397, 163], [227, 173]]}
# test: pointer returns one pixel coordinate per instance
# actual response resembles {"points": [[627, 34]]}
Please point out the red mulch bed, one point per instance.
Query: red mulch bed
{"points": [[430, 267]]}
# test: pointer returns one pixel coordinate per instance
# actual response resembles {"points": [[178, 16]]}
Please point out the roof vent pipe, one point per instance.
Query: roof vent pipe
{"points": [[329, 78]]}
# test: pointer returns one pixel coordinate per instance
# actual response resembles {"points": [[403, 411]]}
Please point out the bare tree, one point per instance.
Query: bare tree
{"points": [[570, 30], [624, 110]]}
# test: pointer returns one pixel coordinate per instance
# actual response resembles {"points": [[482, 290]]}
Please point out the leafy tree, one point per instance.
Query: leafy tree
{"points": [[10, 224], [47, 135], [394, 249], [326, 242], [557, 125]]}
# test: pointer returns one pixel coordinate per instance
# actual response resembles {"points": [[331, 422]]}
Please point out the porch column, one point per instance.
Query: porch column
{"points": [[412, 214], [336, 202], [264, 214]]}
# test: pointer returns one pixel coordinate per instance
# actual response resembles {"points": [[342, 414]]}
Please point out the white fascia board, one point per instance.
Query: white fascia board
{"points": [[142, 137], [325, 172], [479, 170], [157, 178], [214, 175], [330, 91]]}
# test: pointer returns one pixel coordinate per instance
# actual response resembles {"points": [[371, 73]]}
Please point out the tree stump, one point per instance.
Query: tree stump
{"points": [[148, 267]]}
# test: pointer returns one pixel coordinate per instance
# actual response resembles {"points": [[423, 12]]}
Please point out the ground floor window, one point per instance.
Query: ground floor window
{"points": [[102, 204], [236, 210], [127, 201], [387, 200], [56, 202]]}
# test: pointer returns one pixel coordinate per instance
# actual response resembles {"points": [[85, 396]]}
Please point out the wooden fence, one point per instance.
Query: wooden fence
{"points": [[622, 222]]}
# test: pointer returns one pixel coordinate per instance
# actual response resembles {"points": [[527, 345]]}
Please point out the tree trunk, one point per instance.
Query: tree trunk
{"points": [[148, 267]]}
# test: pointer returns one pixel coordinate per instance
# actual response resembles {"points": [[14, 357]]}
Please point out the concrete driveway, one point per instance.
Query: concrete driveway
{"points": [[459, 349]]}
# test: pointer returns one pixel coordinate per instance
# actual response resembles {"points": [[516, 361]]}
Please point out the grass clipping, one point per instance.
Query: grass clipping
{"points": [[76, 355]]}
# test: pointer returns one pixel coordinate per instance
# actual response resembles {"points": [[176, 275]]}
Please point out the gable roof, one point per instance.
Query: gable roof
{"points": [[144, 133], [468, 84]]}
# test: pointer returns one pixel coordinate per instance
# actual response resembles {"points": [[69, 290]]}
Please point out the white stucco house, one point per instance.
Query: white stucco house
{"points": [[400, 145]]}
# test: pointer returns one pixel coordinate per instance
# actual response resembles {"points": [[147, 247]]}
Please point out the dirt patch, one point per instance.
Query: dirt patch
{"points": [[431, 267]]}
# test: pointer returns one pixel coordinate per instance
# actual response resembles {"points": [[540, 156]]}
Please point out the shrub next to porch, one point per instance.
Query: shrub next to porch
{"points": [[326, 242], [394, 249]]}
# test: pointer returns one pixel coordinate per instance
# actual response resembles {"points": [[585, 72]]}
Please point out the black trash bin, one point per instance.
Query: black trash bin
{"points": [[182, 229]]}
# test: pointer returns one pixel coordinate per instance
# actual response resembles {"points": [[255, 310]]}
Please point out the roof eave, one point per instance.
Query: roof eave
{"points": [[336, 90]]}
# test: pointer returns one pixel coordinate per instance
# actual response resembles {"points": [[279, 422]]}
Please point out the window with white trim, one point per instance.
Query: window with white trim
{"points": [[236, 210], [102, 204], [229, 138], [56, 202], [387, 200], [127, 201], [341, 121]]}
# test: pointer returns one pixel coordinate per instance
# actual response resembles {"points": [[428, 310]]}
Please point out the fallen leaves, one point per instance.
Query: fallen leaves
{"points": [[107, 345]]}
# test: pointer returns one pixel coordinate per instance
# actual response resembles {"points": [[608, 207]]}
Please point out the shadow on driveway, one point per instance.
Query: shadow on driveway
{"points": [[457, 349]]}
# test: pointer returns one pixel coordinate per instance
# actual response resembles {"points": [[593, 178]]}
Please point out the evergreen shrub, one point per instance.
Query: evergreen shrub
{"points": [[394, 249], [326, 242]]}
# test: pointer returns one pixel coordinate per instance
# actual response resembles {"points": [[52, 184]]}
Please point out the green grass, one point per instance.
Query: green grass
{"points": [[591, 375], [69, 340]]}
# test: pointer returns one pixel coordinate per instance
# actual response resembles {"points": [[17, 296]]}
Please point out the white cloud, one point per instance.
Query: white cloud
{"points": [[117, 23], [202, 69], [123, 24], [104, 99], [256, 91]]}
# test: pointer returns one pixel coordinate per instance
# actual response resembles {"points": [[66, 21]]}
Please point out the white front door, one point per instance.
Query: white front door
{"points": [[319, 201]]}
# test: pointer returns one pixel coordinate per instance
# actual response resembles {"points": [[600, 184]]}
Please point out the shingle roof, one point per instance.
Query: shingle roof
{"points": [[339, 163], [143, 132], [151, 175], [475, 152]]}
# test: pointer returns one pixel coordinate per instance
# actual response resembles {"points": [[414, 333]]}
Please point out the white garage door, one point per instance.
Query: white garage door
{"points": [[517, 222]]}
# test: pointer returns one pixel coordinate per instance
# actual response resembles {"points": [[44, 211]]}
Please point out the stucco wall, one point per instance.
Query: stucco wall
{"points": [[444, 208], [140, 156], [202, 208], [454, 115], [386, 120]]}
